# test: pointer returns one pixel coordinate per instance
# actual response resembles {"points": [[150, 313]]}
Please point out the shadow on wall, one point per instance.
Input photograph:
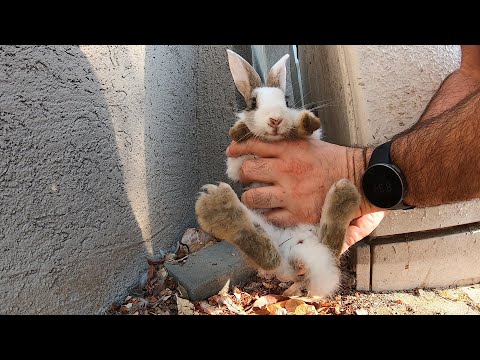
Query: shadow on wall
{"points": [[170, 144], [190, 102], [69, 242]]}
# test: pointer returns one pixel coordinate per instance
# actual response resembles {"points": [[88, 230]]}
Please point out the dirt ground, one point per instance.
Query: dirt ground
{"points": [[162, 296]]}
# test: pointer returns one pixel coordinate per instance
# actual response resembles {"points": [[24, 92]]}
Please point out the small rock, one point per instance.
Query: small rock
{"points": [[361, 312], [195, 239], [170, 257]]}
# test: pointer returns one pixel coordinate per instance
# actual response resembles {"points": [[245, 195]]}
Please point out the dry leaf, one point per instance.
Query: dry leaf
{"points": [[262, 311], [292, 304], [253, 286], [267, 285], [224, 290], [209, 309], [268, 299], [237, 293], [322, 310], [182, 291], [301, 309], [337, 309], [152, 299], [184, 306], [123, 310], [151, 272], [305, 309], [274, 309], [165, 298], [309, 300], [237, 309]]}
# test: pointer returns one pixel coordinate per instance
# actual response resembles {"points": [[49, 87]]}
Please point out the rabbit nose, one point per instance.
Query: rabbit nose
{"points": [[274, 122]]}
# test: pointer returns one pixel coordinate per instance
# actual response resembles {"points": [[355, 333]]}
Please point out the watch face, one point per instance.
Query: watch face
{"points": [[383, 186]]}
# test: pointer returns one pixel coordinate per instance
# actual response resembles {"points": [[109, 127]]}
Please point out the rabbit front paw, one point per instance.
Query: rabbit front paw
{"points": [[220, 212]]}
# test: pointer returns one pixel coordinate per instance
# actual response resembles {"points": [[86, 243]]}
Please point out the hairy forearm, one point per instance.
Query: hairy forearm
{"points": [[441, 157], [456, 87]]}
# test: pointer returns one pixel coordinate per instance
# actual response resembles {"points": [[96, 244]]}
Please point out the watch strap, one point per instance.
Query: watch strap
{"points": [[381, 155]]}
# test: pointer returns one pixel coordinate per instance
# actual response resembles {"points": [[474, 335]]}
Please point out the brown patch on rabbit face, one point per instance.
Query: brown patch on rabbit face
{"points": [[308, 123], [240, 132]]}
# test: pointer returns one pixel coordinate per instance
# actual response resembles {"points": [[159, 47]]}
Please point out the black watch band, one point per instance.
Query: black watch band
{"points": [[383, 183]]}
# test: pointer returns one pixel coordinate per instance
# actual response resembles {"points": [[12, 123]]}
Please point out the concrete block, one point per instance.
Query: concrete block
{"points": [[362, 266], [422, 219], [207, 271], [440, 258]]}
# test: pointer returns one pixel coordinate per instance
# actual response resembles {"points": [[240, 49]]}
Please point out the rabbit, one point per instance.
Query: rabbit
{"points": [[308, 255]]}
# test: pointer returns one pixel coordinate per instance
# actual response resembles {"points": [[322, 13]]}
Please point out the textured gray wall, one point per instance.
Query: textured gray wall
{"points": [[103, 150], [69, 242], [397, 82]]}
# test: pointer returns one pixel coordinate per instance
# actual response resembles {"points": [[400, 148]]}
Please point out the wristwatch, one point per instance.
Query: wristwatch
{"points": [[383, 183]]}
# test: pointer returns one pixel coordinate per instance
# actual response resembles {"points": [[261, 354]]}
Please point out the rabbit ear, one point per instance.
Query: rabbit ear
{"points": [[245, 77], [277, 77]]}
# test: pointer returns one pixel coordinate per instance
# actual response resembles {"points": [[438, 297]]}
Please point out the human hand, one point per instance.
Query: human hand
{"points": [[301, 173]]}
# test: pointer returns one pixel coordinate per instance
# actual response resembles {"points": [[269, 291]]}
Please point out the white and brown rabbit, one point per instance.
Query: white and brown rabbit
{"points": [[305, 254]]}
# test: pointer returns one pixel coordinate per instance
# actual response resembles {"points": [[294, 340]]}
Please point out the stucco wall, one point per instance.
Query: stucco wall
{"points": [[396, 83], [103, 149], [68, 237]]}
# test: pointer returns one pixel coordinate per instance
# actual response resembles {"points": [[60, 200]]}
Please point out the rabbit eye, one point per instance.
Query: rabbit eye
{"points": [[254, 103]]}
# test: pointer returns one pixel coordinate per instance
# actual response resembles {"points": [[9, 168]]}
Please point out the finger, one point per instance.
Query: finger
{"points": [[361, 227], [255, 147], [265, 197], [259, 170], [280, 217]]}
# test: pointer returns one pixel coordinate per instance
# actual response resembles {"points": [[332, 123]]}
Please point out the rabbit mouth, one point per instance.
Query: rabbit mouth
{"points": [[275, 132], [269, 136]]}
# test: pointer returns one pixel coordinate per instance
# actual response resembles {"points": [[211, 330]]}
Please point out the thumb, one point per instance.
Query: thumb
{"points": [[361, 227]]}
